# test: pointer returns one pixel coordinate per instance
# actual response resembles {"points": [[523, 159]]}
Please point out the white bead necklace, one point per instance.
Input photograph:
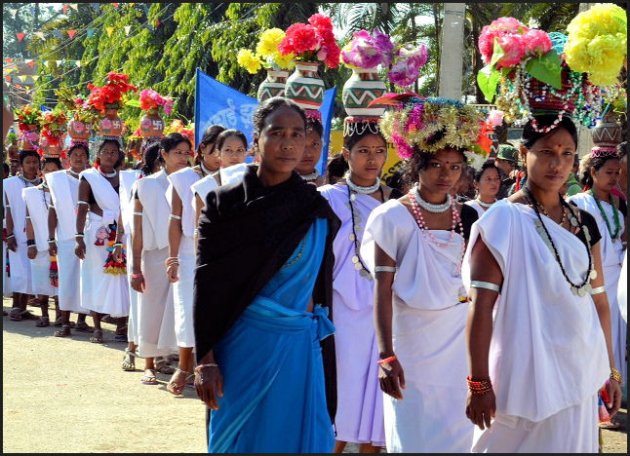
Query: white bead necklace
{"points": [[310, 177], [363, 190], [34, 181], [108, 175], [485, 205], [427, 206], [204, 170], [73, 174]]}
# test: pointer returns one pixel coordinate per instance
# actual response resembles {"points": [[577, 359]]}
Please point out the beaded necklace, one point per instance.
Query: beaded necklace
{"points": [[485, 205], [204, 171], [310, 177], [44, 188], [584, 287], [617, 232], [427, 206], [108, 175], [35, 181], [356, 259], [424, 229], [73, 174], [360, 189]]}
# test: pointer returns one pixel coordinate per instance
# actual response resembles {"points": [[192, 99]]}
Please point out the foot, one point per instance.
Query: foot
{"points": [[178, 381], [58, 322], [43, 322], [149, 377], [83, 327], [162, 366], [97, 336], [63, 332], [129, 361], [16, 314], [121, 338]]}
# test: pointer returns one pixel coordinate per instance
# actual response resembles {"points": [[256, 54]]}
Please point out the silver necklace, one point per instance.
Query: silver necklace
{"points": [[204, 170], [363, 190], [310, 177], [430, 207], [34, 181], [485, 205], [73, 174], [108, 175]]}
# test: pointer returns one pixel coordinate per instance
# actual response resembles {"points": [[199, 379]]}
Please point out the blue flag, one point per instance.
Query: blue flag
{"points": [[217, 103]]}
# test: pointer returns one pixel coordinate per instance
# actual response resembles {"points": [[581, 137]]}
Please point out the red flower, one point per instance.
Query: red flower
{"points": [[298, 39], [321, 23]]}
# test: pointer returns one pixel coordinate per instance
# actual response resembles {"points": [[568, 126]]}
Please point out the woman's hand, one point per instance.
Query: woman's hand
{"points": [[32, 252], [613, 388], [117, 253], [391, 377], [52, 248], [209, 384], [480, 408], [12, 244], [79, 249], [137, 282], [172, 272]]}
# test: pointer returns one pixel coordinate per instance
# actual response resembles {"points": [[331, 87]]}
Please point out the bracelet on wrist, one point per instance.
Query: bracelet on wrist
{"points": [[9, 236], [118, 244], [387, 360], [479, 387], [30, 242], [203, 366], [79, 235], [616, 375], [51, 241], [137, 275]]}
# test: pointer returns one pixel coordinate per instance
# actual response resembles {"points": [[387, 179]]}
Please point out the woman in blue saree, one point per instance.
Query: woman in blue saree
{"points": [[263, 289]]}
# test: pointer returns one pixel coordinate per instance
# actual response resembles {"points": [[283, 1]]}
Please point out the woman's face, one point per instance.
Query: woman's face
{"points": [[367, 157], [30, 166], [550, 160], [281, 141], [489, 183], [442, 171], [606, 177], [312, 152], [232, 151], [176, 158], [78, 159], [108, 155], [50, 167], [210, 157]]}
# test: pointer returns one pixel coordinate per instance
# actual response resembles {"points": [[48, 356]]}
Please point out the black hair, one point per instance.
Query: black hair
{"points": [[74, 147], [588, 162], [488, 164], [529, 137], [54, 160], [209, 137], [151, 154], [622, 149], [6, 167], [419, 161], [121, 155], [28, 153], [225, 134], [172, 140], [315, 124], [269, 106], [336, 167]]}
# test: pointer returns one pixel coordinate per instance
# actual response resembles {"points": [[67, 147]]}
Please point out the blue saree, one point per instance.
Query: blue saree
{"points": [[274, 395]]}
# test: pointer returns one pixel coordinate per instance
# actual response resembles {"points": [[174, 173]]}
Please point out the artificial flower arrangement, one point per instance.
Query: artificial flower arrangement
{"points": [[178, 126], [312, 42], [109, 95], [528, 68], [53, 125], [267, 54], [597, 43], [27, 116], [150, 100], [403, 62], [428, 124]]}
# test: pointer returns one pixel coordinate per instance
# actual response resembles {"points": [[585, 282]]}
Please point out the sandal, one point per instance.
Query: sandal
{"points": [[63, 332], [178, 388], [83, 327], [97, 336], [162, 366], [16, 314], [129, 361], [149, 377], [43, 322]]}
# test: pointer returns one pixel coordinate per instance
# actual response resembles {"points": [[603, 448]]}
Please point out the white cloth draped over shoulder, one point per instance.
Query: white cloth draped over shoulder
{"points": [[359, 397], [64, 191], [181, 181], [155, 209], [622, 291], [476, 206], [232, 174], [104, 194], [202, 187], [542, 332], [428, 324], [612, 259]]}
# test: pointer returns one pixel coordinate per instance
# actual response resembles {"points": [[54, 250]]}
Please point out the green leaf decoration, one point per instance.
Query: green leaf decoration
{"points": [[497, 52], [546, 68], [488, 78], [134, 103]]}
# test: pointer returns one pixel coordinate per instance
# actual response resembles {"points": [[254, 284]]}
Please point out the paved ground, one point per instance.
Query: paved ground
{"points": [[69, 395]]}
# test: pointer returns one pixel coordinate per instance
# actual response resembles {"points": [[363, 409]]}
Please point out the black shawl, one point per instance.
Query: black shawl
{"points": [[246, 233]]}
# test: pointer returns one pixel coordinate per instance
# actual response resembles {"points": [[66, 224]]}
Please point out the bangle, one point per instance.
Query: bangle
{"points": [[479, 386], [384, 269], [137, 275], [30, 242], [598, 290], [174, 217], [83, 202], [79, 235], [10, 236], [202, 366], [616, 375], [387, 360], [486, 285]]}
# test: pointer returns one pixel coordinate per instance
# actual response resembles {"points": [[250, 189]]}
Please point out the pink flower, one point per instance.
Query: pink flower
{"points": [[407, 64], [497, 29], [513, 49], [403, 149], [321, 23], [536, 42], [495, 118]]}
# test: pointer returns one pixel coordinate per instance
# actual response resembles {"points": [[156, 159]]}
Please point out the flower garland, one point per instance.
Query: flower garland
{"points": [[312, 42], [111, 265]]}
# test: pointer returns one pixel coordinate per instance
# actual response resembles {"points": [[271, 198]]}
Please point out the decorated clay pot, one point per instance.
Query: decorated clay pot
{"points": [[152, 125], [110, 125], [78, 131], [29, 139], [607, 132], [360, 89], [304, 86], [273, 85], [51, 147]]}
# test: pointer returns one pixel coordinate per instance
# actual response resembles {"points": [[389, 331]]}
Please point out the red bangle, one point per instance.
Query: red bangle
{"points": [[387, 360], [137, 276], [479, 386]]}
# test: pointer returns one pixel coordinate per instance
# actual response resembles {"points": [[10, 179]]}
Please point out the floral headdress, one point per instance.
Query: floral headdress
{"points": [[77, 106], [27, 116], [152, 100], [428, 124], [267, 54], [312, 42], [109, 95]]}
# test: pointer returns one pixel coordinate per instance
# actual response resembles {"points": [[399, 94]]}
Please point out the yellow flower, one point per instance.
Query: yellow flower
{"points": [[285, 62], [248, 60], [268, 43]]}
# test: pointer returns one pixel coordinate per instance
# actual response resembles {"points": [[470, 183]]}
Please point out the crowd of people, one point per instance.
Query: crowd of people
{"points": [[450, 308]]}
